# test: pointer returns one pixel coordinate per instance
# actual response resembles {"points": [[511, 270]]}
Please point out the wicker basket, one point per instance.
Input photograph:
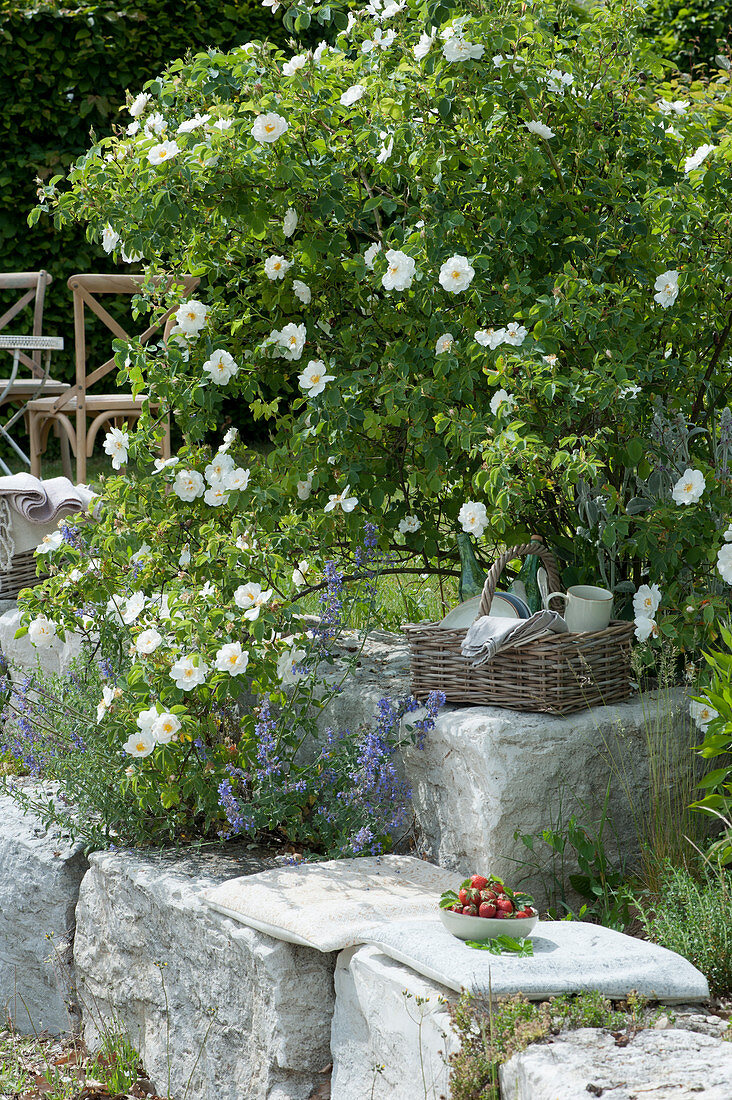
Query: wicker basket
{"points": [[22, 574], [557, 674]]}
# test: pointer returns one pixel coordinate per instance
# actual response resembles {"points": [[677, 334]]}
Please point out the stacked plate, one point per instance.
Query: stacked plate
{"points": [[506, 605]]}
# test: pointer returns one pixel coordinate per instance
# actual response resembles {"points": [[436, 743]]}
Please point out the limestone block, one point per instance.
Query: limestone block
{"points": [[240, 1015], [391, 1034], [655, 1064], [40, 875], [23, 657], [486, 773]]}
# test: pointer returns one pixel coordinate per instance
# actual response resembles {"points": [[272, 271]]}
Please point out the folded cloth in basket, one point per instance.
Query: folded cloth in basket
{"points": [[490, 634], [30, 509]]}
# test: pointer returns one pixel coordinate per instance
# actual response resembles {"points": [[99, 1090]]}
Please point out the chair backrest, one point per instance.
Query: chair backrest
{"points": [[32, 285], [86, 289]]}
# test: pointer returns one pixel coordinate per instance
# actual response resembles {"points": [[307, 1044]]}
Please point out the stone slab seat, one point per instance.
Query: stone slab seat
{"points": [[232, 1013]]}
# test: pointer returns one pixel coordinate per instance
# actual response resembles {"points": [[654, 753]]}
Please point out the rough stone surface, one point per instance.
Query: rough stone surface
{"points": [[487, 773], [386, 1045], [247, 1018], [655, 1065], [40, 875], [24, 657]]}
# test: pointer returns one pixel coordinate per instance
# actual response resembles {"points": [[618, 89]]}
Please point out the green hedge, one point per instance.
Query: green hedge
{"points": [[690, 32], [63, 72]]}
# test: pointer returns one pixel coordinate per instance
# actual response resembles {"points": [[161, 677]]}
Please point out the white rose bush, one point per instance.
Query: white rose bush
{"points": [[470, 276]]}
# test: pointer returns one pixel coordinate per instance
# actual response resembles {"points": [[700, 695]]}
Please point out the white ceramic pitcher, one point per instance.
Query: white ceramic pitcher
{"points": [[587, 607]]}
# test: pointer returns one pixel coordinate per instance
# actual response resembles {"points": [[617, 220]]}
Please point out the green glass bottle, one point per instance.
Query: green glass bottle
{"points": [[472, 577], [526, 584]]}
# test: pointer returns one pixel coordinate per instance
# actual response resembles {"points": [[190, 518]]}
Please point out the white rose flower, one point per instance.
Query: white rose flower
{"points": [[42, 632], [424, 46], [667, 287], [629, 390], [645, 628], [108, 696], [268, 127], [193, 123], [216, 496], [148, 641], [473, 517], [221, 367], [132, 607], [163, 152], [297, 61], [188, 485], [313, 378], [456, 274], [237, 479], [133, 128], [276, 267], [130, 257], [290, 341], [184, 558], [727, 536], [724, 562], [222, 124], [371, 253], [558, 81], [164, 728], [232, 659], [301, 291], [697, 159], [502, 401], [444, 343], [540, 129], [386, 150], [399, 275], [289, 222], [116, 445], [188, 672], [305, 488], [140, 743], [50, 543], [381, 41], [298, 575], [218, 468], [646, 601], [515, 334], [341, 500], [274, 6], [289, 667], [689, 488], [702, 714], [250, 598], [409, 525], [352, 95], [490, 337], [139, 103], [191, 317], [110, 239], [677, 107], [457, 49], [146, 719]]}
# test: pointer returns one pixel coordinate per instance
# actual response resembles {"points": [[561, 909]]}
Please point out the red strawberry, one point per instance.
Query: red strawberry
{"points": [[474, 897], [488, 895], [505, 905], [487, 909], [478, 882], [456, 908], [500, 915], [463, 895], [497, 886], [470, 911]]}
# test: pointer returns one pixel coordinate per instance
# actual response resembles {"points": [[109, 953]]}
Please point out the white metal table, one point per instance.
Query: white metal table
{"points": [[28, 389]]}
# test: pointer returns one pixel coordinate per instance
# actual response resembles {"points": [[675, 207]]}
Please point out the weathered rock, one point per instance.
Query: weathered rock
{"points": [[487, 773], [240, 1015], [655, 1065], [40, 875], [24, 657], [391, 1034]]}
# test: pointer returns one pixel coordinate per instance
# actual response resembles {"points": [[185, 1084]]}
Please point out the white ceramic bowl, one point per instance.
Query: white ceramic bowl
{"points": [[486, 928]]}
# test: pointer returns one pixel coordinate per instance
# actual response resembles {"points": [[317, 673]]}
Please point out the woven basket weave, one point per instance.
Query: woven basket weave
{"points": [[22, 574], [557, 674]]}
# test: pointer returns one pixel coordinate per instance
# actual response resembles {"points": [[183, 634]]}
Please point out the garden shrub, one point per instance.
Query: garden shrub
{"points": [[690, 33], [475, 277], [691, 917], [63, 73]]}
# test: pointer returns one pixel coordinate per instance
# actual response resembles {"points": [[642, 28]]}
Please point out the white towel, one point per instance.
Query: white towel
{"points": [[44, 501], [490, 635]]}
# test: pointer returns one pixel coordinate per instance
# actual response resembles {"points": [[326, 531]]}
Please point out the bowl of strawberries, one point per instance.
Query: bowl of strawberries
{"points": [[484, 907]]}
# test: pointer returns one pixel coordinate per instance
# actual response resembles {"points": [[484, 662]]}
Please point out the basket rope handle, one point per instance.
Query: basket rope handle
{"points": [[494, 573]]}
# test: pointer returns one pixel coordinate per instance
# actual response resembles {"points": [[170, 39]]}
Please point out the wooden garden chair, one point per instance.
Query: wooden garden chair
{"points": [[73, 409], [30, 375]]}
